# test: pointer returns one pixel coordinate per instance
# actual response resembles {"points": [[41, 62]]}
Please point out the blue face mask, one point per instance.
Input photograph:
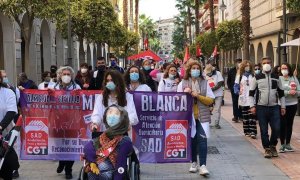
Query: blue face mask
{"points": [[113, 63], [5, 80], [147, 68], [171, 76], [134, 76], [195, 73], [112, 120], [111, 86], [257, 71]]}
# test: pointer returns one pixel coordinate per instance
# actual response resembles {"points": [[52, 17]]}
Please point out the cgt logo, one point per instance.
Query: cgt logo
{"points": [[176, 153], [37, 150]]}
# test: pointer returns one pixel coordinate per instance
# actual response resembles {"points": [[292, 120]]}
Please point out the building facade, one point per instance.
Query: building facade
{"points": [[165, 29]]}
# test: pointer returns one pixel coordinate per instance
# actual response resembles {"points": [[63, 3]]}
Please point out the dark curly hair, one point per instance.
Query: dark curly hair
{"points": [[120, 90], [142, 79]]}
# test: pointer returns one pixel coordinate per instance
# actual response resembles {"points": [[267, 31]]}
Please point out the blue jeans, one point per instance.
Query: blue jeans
{"points": [[269, 115], [199, 142]]}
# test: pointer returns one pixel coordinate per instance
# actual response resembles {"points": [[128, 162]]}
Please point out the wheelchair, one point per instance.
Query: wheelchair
{"points": [[133, 165]]}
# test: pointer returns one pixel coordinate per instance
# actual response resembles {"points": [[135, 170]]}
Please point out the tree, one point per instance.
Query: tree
{"points": [[136, 23], [147, 28], [125, 13], [211, 14], [30, 10], [178, 40], [93, 20], [245, 9], [294, 5], [230, 35], [207, 42]]}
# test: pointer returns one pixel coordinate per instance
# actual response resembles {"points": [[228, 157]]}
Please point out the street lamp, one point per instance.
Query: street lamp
{"points": [[223, 8], [69, 36]]}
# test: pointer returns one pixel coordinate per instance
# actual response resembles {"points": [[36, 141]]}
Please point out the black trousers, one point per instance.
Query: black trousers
{"points": [[249, 121], [67, 166], [235, 104], [10, 164], [286, 124]]}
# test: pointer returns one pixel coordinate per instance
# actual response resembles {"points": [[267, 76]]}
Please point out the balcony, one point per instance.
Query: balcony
{"points": [[279, 10]]}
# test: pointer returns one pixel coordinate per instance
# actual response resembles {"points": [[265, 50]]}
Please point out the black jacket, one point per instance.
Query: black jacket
{"points": [[96, 82], [231, 78]]}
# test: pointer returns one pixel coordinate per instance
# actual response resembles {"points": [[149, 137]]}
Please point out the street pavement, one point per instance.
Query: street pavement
{"points": [[231, 156]]}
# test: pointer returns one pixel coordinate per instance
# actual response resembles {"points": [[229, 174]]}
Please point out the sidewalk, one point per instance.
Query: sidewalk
{"points": [[289, 163], [231, 157]]}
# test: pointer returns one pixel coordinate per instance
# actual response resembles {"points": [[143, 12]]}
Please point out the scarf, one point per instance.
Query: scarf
{"points": [[107, 148], [247, 74]]}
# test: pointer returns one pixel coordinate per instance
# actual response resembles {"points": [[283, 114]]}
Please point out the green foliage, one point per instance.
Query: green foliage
{"points": [[207, 42], [178, 40], [192, 50], [230, 35], [294, 5], [147, 30]]}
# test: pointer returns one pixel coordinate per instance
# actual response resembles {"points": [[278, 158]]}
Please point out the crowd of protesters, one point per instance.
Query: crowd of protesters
{"points": [[258, 94]]}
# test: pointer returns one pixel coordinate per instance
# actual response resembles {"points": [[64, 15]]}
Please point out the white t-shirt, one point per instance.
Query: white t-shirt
{"points": [[99, 108], [167, 85], [213, 81], [244, 89], [7, 103], [142, 87], [42, 85]]}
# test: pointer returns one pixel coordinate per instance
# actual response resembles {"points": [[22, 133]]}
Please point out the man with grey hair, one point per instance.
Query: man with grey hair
{"points": [[268, 111], [65, 81]]}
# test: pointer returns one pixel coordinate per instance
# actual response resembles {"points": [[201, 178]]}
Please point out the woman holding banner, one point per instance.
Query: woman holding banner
{"points": [[195, 84], [170, 80], [135, 80], [113, 93], [65, 81]]}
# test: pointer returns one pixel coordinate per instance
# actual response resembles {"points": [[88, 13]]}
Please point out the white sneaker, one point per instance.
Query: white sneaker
{"points": [[193, 168], [203, 171]]}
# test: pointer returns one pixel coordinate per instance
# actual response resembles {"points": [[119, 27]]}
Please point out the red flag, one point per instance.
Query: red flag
{"points": [[215, 53], [186, 55], [198, 51], [146, 42]]}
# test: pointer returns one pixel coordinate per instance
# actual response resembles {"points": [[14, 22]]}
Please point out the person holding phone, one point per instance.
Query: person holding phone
{"points": [[46, 80]]}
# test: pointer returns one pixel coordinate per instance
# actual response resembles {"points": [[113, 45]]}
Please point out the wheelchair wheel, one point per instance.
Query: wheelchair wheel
{"points": [[82, 175], [135, 171]]}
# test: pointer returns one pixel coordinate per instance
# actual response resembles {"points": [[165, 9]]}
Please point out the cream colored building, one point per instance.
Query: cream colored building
{"points": [[266, 24]]}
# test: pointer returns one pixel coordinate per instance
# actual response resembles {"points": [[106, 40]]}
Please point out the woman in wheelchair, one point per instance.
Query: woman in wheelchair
{"points": [[106, 156]]}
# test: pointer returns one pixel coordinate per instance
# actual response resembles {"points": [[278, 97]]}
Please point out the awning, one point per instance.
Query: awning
{"points": [[295, 42], [145, 55]]}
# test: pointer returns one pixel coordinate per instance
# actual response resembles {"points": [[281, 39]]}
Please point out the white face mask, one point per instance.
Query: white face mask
{"points": [[83, 70], [66, 79], [284, 72], [267, 67]]}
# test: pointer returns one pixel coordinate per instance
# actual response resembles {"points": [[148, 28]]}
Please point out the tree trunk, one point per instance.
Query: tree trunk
{"points": [[197, 18], [211, 14], [246, 27], [136, 24], [81, 51], [131, 19], [125, 13], [189, 25]]}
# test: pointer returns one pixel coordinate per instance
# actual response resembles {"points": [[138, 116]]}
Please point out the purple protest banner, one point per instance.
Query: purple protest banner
{"points": [[164, 129]]}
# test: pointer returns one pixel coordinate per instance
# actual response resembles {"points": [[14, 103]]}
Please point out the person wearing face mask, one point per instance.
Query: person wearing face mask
{"points": [[267, 109], [84, 77], [65, 81], [113, 93], [241, 87], [116, 121], [146, 69], [114, 65], [195, 84], [98, 75], [170, 80], [235, 97], [291, 89], [257, 69], [135, 80], [216, 82], [25, 83], [46, 80]]}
